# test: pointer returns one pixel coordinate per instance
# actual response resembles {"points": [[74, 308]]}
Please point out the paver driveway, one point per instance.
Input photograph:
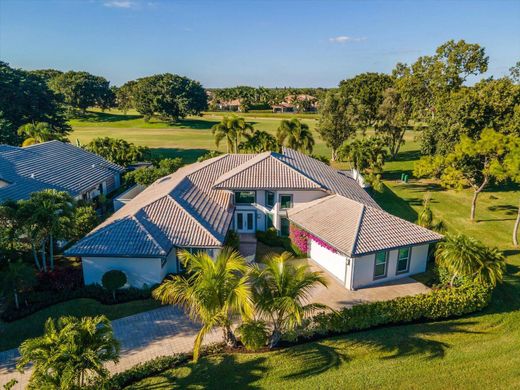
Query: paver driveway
{"points": [[143, 336]]}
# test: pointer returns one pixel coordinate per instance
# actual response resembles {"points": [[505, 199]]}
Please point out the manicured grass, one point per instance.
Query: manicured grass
{"points": [[13, 333]]}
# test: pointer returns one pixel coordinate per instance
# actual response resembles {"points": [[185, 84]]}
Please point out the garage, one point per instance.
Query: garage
{"points": [[334, 263]]}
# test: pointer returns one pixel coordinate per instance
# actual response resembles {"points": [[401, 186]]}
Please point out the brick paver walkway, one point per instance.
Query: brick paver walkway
{"points": [[143, 336]]}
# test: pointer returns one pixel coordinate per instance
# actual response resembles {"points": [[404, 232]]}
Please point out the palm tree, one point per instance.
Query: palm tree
{"points": [[258, 142], [213, 292], [464, 256], [71, 352], [280, 290], [232, 129], [36, 133], [295, 135], [16, 277]]}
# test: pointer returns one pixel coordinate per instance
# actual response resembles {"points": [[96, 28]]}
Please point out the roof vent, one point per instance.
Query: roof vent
{"points": [[32, 175], [93, 165]]}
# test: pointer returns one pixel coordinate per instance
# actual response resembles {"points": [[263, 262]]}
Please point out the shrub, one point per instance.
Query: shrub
{"points": [[271, 238], [69, 278], [232, 239], [113, 280], [253, 335]]}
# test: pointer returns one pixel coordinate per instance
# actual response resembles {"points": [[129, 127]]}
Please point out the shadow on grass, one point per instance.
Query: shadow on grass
{"points": [[188, 156], [194, 124], [107, 117], [396, 205], [507, 208]]}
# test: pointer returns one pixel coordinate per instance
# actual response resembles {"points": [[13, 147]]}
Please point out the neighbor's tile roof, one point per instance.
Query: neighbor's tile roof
{"points": [[265, 171], [356, 229], [54, 165]]}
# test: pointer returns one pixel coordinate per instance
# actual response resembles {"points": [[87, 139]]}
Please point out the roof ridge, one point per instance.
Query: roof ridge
{"points": [[358, 227], [202, 165], [259, 156], [298, 171], [148, 233], [192, 217]]}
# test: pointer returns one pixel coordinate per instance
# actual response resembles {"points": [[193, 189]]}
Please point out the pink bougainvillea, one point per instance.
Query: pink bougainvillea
{"points": [[300, 238]]}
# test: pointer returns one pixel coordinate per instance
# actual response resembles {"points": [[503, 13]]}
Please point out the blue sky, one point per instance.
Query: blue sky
{"points": [[269, 43]]}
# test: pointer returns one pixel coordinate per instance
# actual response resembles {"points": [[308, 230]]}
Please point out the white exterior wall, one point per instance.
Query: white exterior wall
{"points": [[334, 263], [139, 271], [363, 267]]}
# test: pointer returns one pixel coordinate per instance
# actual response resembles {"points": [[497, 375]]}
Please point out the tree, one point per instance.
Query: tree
{"points": [[393, 115], [280, 290], [259, 141], [169, 96], [17, 277], [26, 98], [124, 96], [35, 133], [147, 176], [117, 150], [295, 135], [113, 280], [81, 90], [514, 73], [364, 93], [336, 122], [232, 129], [46, 74], [213, 292], [466, 257], [471, 164], [367, 156], [84, 219], [71, 353]]}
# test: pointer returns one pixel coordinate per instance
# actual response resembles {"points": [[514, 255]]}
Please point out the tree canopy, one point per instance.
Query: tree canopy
{"points": [[118, 150]]}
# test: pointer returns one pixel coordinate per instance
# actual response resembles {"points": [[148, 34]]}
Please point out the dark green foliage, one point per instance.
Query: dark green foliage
{"points": [[259, 141], [146, 176], [168, 96], [118, 150], [113, 280], [271, 238], [438, 304], [84, 219], [232, 239], [321, 158], [26, 98], [208, 155], [253, 334]]}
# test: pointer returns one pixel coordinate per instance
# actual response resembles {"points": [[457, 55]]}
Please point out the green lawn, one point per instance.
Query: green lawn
{"points": [[476, 351], [13, 333]]}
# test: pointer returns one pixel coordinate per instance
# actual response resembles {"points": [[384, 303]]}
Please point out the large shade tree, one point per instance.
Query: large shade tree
{"points": [[213, 292], [70, 354], [295, 135]]}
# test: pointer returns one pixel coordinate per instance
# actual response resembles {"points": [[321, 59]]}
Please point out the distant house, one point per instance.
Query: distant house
{"points": [[55, 165], [230, 105], [283, 107], [349, 235], [292, 103]]}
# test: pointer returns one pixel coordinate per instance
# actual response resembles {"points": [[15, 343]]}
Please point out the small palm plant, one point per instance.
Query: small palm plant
{"points": [[281, 291], [213, 292], [464, 256], [71, 353]]}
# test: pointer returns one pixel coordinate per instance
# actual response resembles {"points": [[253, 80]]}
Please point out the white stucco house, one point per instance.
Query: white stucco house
{"points": [[349, 235]]}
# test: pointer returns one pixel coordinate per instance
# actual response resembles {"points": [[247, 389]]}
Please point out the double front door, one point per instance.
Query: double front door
{"points": [[245, 221]]}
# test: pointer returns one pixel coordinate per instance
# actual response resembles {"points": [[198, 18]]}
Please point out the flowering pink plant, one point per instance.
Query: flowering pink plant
{"points": [[300, 238]]}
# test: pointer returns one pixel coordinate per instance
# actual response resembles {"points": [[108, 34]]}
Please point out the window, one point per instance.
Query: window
{"points": [[286, 201], [380, 265], [269, 199], [284, 227], [403, 260], [245, 197]]}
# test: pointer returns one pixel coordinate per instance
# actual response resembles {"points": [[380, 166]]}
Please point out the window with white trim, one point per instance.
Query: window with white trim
{"points": [[380, 265], [403, 260]]}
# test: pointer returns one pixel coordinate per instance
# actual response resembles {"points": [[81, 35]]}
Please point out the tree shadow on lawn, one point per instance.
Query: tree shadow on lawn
{"points": [[92, 116], [194, 124], [396, 205], [188, 156], [399, 341]]}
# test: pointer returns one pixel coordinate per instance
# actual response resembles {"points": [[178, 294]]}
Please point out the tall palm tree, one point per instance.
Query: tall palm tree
{"points": [[281, 290], [232, 129], [15, 277], [35, 133], [295, 135], [464, 256], [70, 352], [258, 142], [213, 292]]}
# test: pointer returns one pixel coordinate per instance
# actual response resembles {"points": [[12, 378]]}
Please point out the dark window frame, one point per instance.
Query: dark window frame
{"points": [[244, 203], [267, 193], [408, 260], [281, 203], [376, 277]]}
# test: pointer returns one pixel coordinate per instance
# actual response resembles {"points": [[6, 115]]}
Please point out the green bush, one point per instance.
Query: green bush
{"points": [[271, 238], [438, 304], [232, 239], [113, 280], [253, 335]]}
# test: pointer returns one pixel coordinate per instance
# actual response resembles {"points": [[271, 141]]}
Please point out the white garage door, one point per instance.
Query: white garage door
{"points": [[332, 262]]}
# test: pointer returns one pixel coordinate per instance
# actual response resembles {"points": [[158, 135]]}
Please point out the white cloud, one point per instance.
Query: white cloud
{"points": [[345, 39], [120, 4]]}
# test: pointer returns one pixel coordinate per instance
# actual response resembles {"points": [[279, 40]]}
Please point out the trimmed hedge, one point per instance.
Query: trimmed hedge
{"points": [[438, 304], [37, 300]]}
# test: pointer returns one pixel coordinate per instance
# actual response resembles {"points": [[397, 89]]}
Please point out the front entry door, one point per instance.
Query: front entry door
{"points": [[245, 221]]}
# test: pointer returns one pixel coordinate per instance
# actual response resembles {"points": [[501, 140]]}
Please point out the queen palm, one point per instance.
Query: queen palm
{"points": [[464, 256], [281, 290], [258, 142], [232, 129], [295, 135], [70, 353], [213, 292], [35, 133]]}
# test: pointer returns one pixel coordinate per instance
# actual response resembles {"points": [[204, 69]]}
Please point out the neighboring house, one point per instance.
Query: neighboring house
{"points": [[55, 165], [230, 105], [291, 103], [352, 238]]}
